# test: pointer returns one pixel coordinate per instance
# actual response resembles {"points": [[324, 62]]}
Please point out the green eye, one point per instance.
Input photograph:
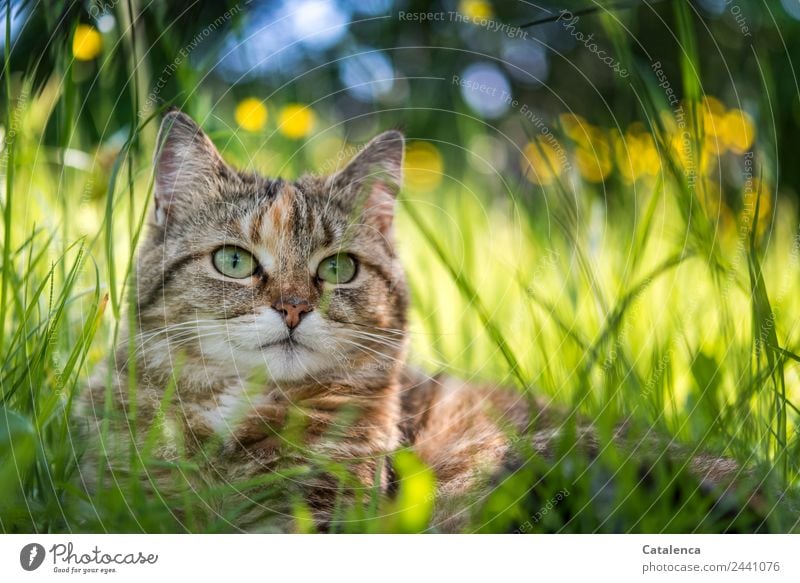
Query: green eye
{"points": [[234, 262], [340, 268]]}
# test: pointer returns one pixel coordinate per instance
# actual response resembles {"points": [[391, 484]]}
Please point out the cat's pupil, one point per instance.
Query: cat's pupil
{"points": [[235, 260]]}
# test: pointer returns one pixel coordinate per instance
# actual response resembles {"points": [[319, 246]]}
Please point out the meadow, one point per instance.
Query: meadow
{"points": [[643, 269]]}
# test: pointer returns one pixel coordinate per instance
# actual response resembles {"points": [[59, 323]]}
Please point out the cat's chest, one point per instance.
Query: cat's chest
{"points": [[256, 422], [227, 413]]}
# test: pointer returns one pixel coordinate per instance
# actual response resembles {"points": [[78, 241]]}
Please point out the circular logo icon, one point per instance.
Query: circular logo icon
{"points": [[31, 556]]}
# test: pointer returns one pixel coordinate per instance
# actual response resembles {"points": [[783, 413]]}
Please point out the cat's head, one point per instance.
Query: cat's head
{"points": [[242, 274]]}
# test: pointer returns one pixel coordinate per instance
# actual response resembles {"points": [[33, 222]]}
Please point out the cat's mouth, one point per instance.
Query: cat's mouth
{"points": [[288, 342]]}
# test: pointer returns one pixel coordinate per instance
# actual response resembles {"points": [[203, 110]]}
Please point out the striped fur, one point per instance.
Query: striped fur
{"points": [[213, 332]]}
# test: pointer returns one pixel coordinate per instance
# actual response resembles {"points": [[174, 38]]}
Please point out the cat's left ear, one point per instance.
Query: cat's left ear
{"points": [[372, 180]]}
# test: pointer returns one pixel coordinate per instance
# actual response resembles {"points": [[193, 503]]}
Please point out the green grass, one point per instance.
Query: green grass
{"points": [[655, 313]]}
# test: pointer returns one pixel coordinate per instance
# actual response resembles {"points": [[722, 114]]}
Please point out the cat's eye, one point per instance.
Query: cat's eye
{"points": [[339, 268], [234, 262]]}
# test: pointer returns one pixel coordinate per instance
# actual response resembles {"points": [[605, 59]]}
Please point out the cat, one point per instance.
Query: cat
{"points": [[298, 285]]}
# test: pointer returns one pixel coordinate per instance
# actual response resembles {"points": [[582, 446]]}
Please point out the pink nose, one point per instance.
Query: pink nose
{"points": [[292, 310]]}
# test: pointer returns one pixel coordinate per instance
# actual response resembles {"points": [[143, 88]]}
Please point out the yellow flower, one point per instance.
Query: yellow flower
{"points": [[475, 9], [251, 114], [636, 153], [87, 43], [738, 131], [540, 162], [592, 152], [712, 106], [713, 112], [683, 149], [296, 121], [594, 160], [423, 166], [574, 126]]}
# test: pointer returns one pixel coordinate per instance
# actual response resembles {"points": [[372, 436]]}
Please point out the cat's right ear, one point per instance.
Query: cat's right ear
{"points": [[371, 181], [187, 167]]}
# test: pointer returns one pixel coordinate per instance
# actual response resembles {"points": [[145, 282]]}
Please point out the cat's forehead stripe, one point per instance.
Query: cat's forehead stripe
{"points": [[261, 230], [256, 220], [280, 212], [290, 218]]}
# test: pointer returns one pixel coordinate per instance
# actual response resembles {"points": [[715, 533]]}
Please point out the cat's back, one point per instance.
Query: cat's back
{"points": [[462, 430]]}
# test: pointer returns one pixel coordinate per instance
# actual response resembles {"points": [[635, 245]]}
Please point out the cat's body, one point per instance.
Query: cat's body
{"points": [[281, 343], [273, 305]]}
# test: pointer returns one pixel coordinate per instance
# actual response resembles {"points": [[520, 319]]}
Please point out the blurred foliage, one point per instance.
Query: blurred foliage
{"points": [[220, 49]]}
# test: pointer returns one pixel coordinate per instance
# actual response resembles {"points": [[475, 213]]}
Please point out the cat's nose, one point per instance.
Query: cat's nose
{"points": [[292, 310]]}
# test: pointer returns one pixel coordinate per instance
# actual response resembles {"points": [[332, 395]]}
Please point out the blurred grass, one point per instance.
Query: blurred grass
{"points": [[652, 310]]}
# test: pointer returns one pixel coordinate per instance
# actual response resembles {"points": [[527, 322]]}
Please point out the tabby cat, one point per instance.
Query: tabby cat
{"points": [[265, 304]]}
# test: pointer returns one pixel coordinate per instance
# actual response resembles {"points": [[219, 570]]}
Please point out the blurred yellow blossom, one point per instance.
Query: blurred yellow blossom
{"points": [[296, 121], [574, 126], [592, 152], [594, 161], [475, 9], [711, 106], [87, 43], [683, 149], [726, 130], [636, 153], [712, 113], [540, 162], [423, 166], [738, 131], [251, 114]]}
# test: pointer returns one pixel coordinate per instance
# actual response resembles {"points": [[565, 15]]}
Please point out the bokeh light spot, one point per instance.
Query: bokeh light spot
{"points": [[738, 131], [423, 166], [475, 9], [486, 90], [87, 43], [251, 114], [296, 121], [540, 162]]}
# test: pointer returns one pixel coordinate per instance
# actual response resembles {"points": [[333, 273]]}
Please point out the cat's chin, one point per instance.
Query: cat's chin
{"points": [[292, 361], [278, 359]]}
